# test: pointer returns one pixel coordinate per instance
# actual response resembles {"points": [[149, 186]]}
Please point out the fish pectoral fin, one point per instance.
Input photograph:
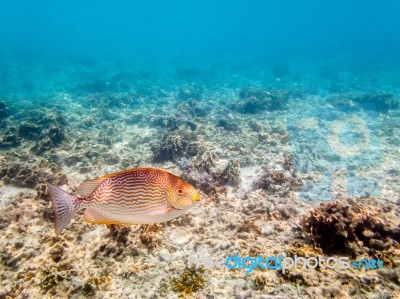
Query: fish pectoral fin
{"points": [[92, 216], [161, 211]]}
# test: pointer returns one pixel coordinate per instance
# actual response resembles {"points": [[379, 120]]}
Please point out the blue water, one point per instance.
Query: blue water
{"points": [[298, 39]]}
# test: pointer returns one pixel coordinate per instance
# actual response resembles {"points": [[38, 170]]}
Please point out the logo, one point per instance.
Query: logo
{"points": [[325, 141], [280, 263]]}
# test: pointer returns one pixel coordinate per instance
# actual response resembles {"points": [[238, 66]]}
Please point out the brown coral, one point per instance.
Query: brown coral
{"points": [[275, 180], [355, 229]]}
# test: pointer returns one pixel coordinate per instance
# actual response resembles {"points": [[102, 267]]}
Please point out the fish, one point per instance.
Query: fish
{"points": [[132, 196]]}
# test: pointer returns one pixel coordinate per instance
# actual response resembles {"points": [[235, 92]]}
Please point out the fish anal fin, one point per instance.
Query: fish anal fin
{"points": [[93, 217]]}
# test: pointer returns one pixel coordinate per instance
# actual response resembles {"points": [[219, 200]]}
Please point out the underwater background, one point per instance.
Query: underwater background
{"points": [[284, 114]]}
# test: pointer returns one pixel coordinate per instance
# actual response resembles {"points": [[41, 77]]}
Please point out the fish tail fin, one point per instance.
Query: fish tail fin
{"points": [[65, 206]]}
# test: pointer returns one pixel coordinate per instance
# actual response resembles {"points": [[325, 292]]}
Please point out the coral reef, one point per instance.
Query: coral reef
{"points": [[172, 147], [276, 180], [30, 174], [256, 100], [208, 172], [381, 102], [355, 229], [190, 92], [9, 137]]}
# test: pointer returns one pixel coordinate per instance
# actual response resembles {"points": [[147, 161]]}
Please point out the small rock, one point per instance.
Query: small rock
{"points": [[267, 230], [180, 236], [244, 294]]}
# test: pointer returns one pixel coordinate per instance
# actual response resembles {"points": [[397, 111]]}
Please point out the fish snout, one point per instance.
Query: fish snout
{"points": [[196, 197]]}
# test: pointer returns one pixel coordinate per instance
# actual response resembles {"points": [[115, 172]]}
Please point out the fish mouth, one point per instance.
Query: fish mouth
{"points": [[196, 197]]}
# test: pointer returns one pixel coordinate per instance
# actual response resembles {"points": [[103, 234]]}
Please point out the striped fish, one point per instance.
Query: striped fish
{"points": [[133, 196]]}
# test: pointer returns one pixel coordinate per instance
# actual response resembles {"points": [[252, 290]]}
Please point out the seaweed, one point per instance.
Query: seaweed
{"points": [[189, 282], [93, 284]]}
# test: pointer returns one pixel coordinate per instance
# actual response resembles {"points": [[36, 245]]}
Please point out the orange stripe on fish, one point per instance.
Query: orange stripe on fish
{"points": [[133, 196]]}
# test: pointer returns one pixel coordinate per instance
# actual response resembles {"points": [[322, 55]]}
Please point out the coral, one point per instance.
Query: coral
{"points": [[259, 282], [29, 175], [293, 276], [172, 147], [9, 138], [193, 108], [229, 124], [45, 128], [381, 102], [297, 249], [171, 124], [256, 100], [119, 244], [56, 135], [119, 233], [190, 92], [123, 240], [248, 226], [189, 282], [168, 123], [275, 180], [29, 130], [111, 159], [208, 172], [355, 228]]}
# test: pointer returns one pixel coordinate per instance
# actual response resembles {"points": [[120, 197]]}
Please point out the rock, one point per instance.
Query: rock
{"points": [[267, 230], [180, 236], [244, 294]]}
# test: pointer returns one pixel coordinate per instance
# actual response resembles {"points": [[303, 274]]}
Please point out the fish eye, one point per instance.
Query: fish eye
{"points": [[180, 191]]}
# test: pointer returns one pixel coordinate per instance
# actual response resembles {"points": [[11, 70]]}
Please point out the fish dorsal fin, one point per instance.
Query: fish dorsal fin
{"points": [[87, 187]]}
